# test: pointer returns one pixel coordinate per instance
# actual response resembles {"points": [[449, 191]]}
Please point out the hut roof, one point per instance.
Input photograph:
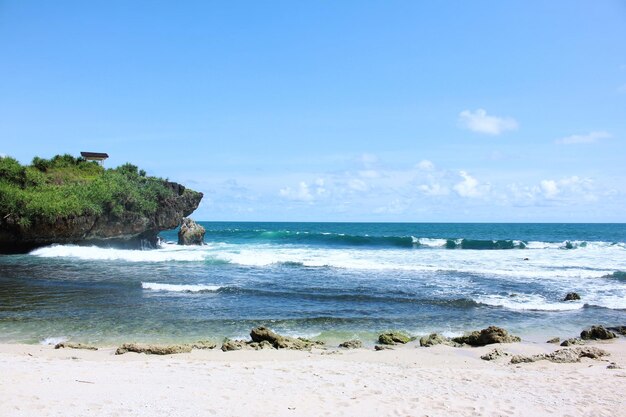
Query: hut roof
{"points": [[94, 155]]}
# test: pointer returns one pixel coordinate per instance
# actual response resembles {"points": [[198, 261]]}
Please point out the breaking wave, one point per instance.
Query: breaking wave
{"points": [[198, 288]]}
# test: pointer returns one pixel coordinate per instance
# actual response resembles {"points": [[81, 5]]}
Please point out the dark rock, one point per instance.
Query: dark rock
{"points": [[126, 229], [260, 345], [260, 334], [490, 335], [597, 333], [436, 339], [494, 354], [70, 345], [351, 344], [554, 340], [190, 233], [229, 345], [391, 338], [613, 365], [203, 345], [563, 355], [152, 349], [573, 341], [618, 329], [382, 347], [571, 296]]}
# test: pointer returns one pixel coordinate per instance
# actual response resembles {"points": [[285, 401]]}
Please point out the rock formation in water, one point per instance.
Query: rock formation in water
{"points": [[597, 333], [67, 200], [190, 233]]}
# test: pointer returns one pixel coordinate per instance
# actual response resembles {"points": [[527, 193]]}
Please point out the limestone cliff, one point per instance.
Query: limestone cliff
{"points": [[127, 229]]}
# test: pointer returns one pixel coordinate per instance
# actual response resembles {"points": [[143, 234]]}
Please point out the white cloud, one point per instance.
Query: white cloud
{"points": [[479, 121], [435, 189], [368, 159], [357, 185], [369, 173], [590, 137], [549, 188], [302, 193], [426, 165], [470, 186]]}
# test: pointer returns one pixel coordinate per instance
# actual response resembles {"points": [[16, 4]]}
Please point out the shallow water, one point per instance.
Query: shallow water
{"points": [[332, 281]]}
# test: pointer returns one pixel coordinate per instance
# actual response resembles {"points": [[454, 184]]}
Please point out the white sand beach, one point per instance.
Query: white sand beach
{"points": [[407, 381]]}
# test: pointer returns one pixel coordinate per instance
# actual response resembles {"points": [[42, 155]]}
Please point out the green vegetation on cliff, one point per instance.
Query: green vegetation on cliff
{"points": [[65, 186]]}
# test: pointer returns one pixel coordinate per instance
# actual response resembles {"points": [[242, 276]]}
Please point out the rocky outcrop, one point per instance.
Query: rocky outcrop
{"points": [[382, 347], [572, 341], [618, 329], [597, 333], [494, 354], [261, 334], [203, 345], [436, 339], [190, 233], [126, 229], [490, 335], [571, 296], [351, 344], [229, 345], [153, 349], [70, 345], [391, 338], [563, 355], [554, 340]]}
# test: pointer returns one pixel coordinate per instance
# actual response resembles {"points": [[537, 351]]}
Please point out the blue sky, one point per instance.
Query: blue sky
{"points": [[333, 111]]}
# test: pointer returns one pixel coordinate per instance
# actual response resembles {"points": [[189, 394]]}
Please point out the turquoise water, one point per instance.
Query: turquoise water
{"points": [[328, 280]]}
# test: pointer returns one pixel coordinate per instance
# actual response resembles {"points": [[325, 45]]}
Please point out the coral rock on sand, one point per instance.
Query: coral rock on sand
{"points": [[436, 339], [597, 333], [573, 341], [554, 340], [563, 355], [571, 296], [490, 335], [229, 345], [351, 344], [190, 233], [70, 345], [382, 347], [152, 349], [203, 345], [260, 334], [391, 338], [494, 354], [618, 329]]}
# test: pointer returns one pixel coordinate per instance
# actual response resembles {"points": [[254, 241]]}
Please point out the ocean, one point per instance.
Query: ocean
{"points": [[331, 281]]}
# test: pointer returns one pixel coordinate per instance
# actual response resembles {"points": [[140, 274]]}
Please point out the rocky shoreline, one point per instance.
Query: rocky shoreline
{"points": [[262, 338]]}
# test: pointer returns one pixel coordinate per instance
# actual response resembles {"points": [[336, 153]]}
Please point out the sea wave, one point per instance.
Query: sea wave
{"points": [[165, 254], [198, 288], [331, 239], [540, 303], [528, 302]]}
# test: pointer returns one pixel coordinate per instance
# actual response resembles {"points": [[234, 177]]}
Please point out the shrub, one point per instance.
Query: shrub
{"points": [[66, 186]]}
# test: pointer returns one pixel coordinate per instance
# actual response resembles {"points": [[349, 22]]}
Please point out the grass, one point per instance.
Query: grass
{"points": [[65, 186]]}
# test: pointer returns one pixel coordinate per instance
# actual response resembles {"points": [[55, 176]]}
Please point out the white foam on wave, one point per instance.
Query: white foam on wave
{"points": [[155, 286], [167, 253], [529, 302], [431, 243], [53, 340]]}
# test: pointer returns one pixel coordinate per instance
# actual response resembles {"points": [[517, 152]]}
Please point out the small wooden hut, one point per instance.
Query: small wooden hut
{"points": [[95, 156]]}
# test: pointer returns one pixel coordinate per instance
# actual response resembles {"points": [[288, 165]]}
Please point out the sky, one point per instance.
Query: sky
{"points": [[390, 111]]}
